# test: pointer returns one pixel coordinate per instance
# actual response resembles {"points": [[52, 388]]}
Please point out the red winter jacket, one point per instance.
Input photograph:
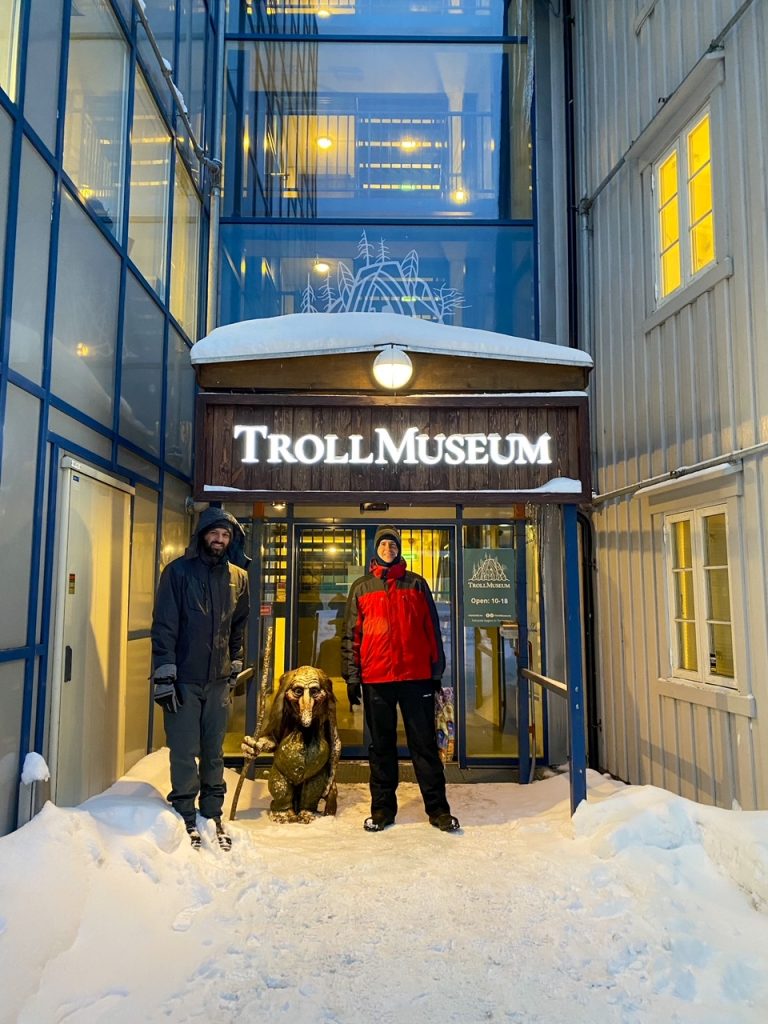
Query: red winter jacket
{"points": [[391, 628]]}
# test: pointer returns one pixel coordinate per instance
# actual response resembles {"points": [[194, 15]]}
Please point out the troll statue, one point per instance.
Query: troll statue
{"points": [[302, 734]]}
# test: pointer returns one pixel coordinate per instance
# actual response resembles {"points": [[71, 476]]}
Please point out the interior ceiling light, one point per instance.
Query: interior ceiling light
{"points": [[408, 144], [459, 195], [321, 267], [324, 142], [323, 12], [392, 368]]}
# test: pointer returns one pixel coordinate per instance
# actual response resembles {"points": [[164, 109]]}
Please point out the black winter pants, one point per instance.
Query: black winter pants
{"points": [[417, 706], [196, 731]]}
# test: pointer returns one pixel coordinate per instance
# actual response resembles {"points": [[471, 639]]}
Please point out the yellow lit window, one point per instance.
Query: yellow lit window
{"points": [[684, 208], [700, 216], [700, 603]]}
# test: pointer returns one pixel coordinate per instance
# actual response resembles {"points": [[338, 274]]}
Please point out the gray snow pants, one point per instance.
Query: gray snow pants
{"points": [[196, 731]]}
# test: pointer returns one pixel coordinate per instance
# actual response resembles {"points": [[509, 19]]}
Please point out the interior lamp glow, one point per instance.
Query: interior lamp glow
{"points": [[324, 142], [392, 368]]}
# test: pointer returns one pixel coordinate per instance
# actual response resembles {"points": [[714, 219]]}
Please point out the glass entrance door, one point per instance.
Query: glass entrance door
{"points": [[500, 594], [328, 560]]}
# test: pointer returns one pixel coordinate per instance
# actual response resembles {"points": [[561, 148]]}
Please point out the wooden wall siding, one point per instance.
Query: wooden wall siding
{"points": [[689, 388], [219, 454]]}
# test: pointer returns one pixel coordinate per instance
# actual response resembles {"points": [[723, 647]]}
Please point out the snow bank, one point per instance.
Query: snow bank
{"points": [[627, 914]]}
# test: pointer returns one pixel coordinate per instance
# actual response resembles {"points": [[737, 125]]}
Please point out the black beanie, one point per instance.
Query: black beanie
{"points": [[388, 533]]}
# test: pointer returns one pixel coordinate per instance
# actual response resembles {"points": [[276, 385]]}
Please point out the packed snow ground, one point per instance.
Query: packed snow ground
{"points": [[644, 908]]}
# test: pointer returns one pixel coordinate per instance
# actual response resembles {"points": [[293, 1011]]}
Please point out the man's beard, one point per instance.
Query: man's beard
{"points": [[212, 552]]}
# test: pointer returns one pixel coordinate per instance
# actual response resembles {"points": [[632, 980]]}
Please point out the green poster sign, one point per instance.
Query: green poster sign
{"points": [[489, 586]]}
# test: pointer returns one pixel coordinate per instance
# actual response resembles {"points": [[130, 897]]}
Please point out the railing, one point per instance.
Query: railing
{"points": [[550, 684]]}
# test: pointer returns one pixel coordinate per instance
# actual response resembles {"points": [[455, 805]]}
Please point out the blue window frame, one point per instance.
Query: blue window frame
{"points": [[463, 274], [371, 129], [377, 18]]}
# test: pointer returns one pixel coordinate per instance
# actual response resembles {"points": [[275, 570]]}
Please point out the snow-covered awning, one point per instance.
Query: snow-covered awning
{"points": [[318, 334]]}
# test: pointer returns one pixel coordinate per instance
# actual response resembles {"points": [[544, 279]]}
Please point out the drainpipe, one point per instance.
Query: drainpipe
{"points": [[574, 334], [590, 669], [570, 176], [214, 208]]}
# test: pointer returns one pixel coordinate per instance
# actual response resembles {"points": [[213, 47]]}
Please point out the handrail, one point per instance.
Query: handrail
{"points": [[550, 684]]}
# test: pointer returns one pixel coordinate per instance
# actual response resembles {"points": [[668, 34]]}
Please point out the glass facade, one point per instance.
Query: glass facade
{"points": [[389, 171], [476, 276], [102, 207]]}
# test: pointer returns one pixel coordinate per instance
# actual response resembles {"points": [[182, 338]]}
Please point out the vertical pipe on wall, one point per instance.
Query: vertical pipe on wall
{"points": [[576, 735], [523, 686]]}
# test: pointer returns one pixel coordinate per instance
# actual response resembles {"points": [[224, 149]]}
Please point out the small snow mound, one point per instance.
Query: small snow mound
{"points": [[637, 817], [35, 769]]}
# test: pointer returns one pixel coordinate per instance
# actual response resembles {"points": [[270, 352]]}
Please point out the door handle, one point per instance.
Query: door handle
{"points": [[67, 664]]}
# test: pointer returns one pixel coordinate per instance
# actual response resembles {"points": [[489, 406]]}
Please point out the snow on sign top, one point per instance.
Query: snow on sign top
{"points": [[315, 334]]}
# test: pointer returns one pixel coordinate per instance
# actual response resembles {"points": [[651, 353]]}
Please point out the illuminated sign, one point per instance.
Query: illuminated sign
{"points": [[411, 448]]}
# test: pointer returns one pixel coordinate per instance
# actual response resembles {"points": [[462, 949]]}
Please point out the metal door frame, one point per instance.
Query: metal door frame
{"points": [[298, 523]]}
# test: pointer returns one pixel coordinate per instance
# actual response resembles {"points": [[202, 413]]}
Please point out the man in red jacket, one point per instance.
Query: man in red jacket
{"points": [[392, 652]]}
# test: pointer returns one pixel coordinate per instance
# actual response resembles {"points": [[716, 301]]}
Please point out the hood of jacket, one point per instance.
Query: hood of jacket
{"points": [[211, 518]]}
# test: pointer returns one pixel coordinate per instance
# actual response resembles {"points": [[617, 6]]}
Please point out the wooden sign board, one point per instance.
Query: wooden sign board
{"points": [[437, 450]]}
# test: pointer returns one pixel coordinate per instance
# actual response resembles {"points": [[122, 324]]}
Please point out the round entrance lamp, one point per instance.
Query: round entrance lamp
{"points": [[392, 368]]}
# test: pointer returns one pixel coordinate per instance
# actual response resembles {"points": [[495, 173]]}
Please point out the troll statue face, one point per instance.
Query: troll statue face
{"points": [[307, 694]]}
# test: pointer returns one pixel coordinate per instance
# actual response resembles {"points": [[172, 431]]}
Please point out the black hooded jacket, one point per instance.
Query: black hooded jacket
{"points": [[202, 606]]}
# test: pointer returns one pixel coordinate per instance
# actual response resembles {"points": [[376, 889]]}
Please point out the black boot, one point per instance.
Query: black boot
{"points": [[222, 837], [378, 821]]}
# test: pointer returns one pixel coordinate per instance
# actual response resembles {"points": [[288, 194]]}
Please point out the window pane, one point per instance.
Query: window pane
{"points": [[31, 272], [391, 130], [95, 125], [700, 194], [670, 270], [17, 499], [6, 132], [698, 146], [142, 377], [180, 406], [85, 321], [10, 15], [684, 601], [150, 176], [11, 707], [161, 15], [717, 593], [185, 251], [721, 651], [681, 544], [667, 177], [142, 592], [467, 276], [42, 77], [192, 63], [669, 224], [715, 542], [686, 646], [372, 17], [702, 244]]}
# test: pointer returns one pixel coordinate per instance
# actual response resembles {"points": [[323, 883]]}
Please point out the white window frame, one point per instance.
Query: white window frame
{"points": [[720, 486], [696, 517], [680, 147]]}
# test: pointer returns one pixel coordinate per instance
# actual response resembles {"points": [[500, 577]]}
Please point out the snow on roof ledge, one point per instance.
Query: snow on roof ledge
{"points": [[316, 334]]}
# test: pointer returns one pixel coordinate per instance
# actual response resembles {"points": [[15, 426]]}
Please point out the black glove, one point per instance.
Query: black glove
{"points": [[437, 685], [167, 696], [354, 693]]}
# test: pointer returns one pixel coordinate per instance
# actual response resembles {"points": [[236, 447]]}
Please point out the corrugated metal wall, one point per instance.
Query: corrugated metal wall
{"points": [[675, 391]]}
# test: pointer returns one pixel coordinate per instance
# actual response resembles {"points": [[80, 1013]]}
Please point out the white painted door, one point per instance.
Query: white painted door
{"points": [[89, 663]]}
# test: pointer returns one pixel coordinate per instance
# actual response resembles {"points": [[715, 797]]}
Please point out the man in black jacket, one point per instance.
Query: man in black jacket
{"points": [[198, 626]]}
